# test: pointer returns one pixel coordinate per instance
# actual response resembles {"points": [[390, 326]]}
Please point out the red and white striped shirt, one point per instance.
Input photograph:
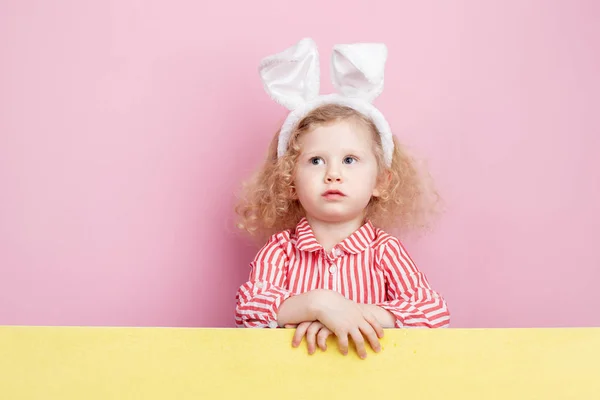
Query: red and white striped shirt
{"points": [[369, 267]]}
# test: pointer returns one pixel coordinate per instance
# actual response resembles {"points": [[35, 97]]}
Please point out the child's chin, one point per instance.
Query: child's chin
{"points": [[337, 215]]}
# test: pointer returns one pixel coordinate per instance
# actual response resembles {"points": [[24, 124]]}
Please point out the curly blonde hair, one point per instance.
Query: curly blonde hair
{"points": [[267, 204]]}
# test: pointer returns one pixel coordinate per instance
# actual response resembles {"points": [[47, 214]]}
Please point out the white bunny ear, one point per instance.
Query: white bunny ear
{"points": [[357, 69], [291, 77]]}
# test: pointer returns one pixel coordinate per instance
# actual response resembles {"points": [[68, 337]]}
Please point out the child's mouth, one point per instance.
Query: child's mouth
{"points": [[333, 194]]}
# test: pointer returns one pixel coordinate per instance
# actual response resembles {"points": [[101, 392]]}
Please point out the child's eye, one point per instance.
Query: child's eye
{"points": [[316, 160], [349, 160]]}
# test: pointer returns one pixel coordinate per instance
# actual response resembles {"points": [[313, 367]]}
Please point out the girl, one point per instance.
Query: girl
{"points": [[334, 177]]}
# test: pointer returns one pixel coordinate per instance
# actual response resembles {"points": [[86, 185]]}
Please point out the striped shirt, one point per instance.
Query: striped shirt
{"points": [[369, 267]]}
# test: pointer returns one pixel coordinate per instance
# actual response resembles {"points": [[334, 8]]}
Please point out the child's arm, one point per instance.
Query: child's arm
{"points": [[265, 301], [259, 298], [299, 308], [411, 300], [385, 318]]}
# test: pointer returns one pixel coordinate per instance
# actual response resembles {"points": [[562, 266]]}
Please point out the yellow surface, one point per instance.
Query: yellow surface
{"points": [[158, 363]]}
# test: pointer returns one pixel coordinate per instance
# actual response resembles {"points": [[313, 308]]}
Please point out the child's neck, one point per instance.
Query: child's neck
{"points": [[328, 234]]}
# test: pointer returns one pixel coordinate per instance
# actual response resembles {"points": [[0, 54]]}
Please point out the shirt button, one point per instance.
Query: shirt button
{"points": [[260, 285], [338, 252], [333, 269], [273, 324]]}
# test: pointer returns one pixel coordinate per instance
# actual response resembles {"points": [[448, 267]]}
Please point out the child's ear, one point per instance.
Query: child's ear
{"points": [[383, 182], [293, 194]]}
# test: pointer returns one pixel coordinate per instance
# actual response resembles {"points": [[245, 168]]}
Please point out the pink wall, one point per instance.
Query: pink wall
{"points": [[125, 127]]}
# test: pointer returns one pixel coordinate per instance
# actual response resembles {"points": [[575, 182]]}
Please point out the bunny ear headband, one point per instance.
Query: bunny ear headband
{"points": [[291, 78]]}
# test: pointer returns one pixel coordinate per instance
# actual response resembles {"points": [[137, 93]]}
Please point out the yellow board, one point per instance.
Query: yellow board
{"points": [[159, 363]]}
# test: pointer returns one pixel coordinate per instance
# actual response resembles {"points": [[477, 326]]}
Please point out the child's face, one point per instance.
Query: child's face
{"points": [[336, 172]]}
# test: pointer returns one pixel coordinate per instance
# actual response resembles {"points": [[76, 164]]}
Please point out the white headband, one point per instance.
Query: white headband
{"points": [[291, 78]]}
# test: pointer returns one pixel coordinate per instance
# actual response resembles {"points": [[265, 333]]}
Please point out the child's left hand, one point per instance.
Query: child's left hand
{"points": [[314, 331]]}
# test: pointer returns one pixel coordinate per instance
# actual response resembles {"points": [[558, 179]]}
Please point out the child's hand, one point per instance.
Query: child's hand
{"points": [[315, 332], [344, 317]]}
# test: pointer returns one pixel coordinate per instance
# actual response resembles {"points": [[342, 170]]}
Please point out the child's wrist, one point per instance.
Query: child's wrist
{"points": [[319, 301], [313, 304]]}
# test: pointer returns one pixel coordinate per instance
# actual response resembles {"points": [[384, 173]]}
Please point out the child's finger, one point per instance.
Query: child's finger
{"points": [[300, 332], [374, 323], [311, 336], [359, 341], [370, 334], [322, 338], [343, 342]]}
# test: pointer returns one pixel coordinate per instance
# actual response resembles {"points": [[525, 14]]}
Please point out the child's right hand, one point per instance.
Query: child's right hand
{"points": [[346, 318]]}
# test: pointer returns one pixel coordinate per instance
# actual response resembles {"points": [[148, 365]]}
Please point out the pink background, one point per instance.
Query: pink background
{"points": [[126, 127]]}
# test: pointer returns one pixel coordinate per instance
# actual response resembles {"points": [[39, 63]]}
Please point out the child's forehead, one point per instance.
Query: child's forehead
{"points": [[335, 134]]}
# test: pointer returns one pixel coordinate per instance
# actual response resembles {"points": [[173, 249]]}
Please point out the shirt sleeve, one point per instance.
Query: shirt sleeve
{"points": [[409, 297], [259, 298]]}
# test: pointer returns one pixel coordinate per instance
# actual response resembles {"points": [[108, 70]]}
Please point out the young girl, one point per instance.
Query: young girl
{"points": [[334, 177]]}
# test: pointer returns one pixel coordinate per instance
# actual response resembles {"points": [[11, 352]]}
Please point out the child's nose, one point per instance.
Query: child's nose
{"points": [[333, 177]]}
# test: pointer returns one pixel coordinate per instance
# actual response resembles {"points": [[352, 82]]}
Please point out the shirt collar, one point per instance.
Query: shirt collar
{"points": [[357, 242]]}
